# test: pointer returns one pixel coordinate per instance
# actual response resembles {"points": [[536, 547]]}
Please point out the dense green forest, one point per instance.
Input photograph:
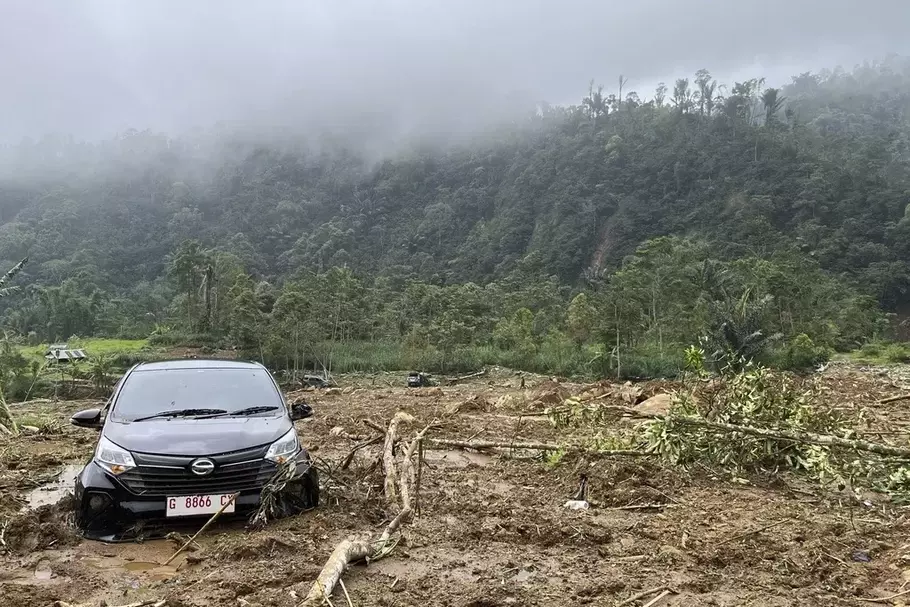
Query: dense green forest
{"points": [[600, 238]]}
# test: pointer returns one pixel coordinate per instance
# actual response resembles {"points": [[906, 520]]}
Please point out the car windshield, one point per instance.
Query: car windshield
{"points": [[145, 393]]}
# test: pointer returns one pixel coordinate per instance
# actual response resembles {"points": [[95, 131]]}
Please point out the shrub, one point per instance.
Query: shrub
{"points": [[802, 353], [897, 353]]}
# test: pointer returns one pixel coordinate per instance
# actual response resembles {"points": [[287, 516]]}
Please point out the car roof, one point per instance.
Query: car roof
{"points": [[194, 363]]}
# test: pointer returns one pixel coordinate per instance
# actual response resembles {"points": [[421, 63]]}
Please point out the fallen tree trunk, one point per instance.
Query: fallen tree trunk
{"points": [[894, 399], [388, 458], [504, 444], [406, 476], [349, 551], [455, 380], [360, 547], [827, 440], [799, 437]]}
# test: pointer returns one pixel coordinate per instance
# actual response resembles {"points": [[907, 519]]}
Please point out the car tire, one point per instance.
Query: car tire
{"points": [[310, 493]]}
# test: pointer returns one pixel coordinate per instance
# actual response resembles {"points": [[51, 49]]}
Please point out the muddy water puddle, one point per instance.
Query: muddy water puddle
{"points": [[55, 490], [149, 569]]}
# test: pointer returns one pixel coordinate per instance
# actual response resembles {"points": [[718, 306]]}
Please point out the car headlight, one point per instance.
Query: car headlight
{"points": [[113, 458], [284, 448]]}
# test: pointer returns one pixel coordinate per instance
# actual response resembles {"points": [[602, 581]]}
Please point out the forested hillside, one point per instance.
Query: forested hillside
{"points": [[583, 239]]}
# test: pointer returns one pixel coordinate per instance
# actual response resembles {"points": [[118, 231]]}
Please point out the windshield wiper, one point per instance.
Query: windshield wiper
{"points": [[247, 411], [181, 413]]}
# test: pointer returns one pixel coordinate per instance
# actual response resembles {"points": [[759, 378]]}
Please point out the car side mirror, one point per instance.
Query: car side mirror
{"points": [[89, 418], [301, 411]]}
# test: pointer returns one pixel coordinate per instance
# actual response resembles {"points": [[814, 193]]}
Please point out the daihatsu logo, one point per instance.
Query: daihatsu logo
{"points": [[202, 467]]}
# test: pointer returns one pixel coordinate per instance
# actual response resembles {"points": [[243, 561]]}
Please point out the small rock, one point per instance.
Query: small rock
{"points": [[43, 571], [523, 576], [332, 391]]}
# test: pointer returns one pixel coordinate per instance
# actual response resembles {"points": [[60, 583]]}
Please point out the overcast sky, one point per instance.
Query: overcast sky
{"points": [[93, 67]]}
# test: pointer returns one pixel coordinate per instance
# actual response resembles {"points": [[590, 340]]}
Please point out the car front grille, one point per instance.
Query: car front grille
{"points": [[170, 475]]}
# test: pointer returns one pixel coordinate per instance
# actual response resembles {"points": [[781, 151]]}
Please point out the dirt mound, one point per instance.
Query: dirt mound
{"points": [[43, 527], [476, 403], [427, 392], [26, 595], [549, 393], [659, 404], [625, 394], [253, 547]]}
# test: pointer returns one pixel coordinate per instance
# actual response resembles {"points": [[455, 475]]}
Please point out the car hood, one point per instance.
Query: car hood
{"points": [[198, 437]]}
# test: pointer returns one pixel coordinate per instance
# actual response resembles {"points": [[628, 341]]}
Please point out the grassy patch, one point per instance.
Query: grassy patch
{"points": [[92, 347], [879, 352]]}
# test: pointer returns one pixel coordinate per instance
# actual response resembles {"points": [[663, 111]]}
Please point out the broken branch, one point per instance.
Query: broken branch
{"points": [[204, 527], [894, 399], [658, 598], [350, 550], [350, 456], [886, 599], [642, 595]]}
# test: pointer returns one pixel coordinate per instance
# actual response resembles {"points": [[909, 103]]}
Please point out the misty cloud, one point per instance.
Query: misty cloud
{"points": [[94, 67]]}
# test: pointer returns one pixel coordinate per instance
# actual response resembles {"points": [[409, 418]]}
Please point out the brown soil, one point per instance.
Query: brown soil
{"points": [[491, 531]]}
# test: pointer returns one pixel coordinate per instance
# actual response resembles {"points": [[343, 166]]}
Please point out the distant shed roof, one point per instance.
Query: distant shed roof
{"points": [[67, 355]]}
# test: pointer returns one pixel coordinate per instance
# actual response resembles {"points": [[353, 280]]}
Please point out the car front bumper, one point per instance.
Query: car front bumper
{"points": [[107, 510]]}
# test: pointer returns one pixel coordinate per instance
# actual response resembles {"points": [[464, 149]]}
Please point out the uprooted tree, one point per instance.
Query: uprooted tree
{"points": [[753, 419], [399, 489]]}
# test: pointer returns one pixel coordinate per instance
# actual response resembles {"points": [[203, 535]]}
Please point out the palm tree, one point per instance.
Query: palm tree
{"points": [[682, 95], [660, 94], [595, 102], [706, 88], [772, 102]]}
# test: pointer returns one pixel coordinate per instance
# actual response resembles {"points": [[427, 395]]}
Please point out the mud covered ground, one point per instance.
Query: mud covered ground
{"points": [[491, 531]]}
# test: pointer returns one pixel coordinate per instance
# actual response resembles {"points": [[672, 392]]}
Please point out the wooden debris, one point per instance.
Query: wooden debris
{"points": [[349, 551], [886, 599], [658, 598], [388, 458], [398, 483], [455, 380], [641, 595], [505, 444]]}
